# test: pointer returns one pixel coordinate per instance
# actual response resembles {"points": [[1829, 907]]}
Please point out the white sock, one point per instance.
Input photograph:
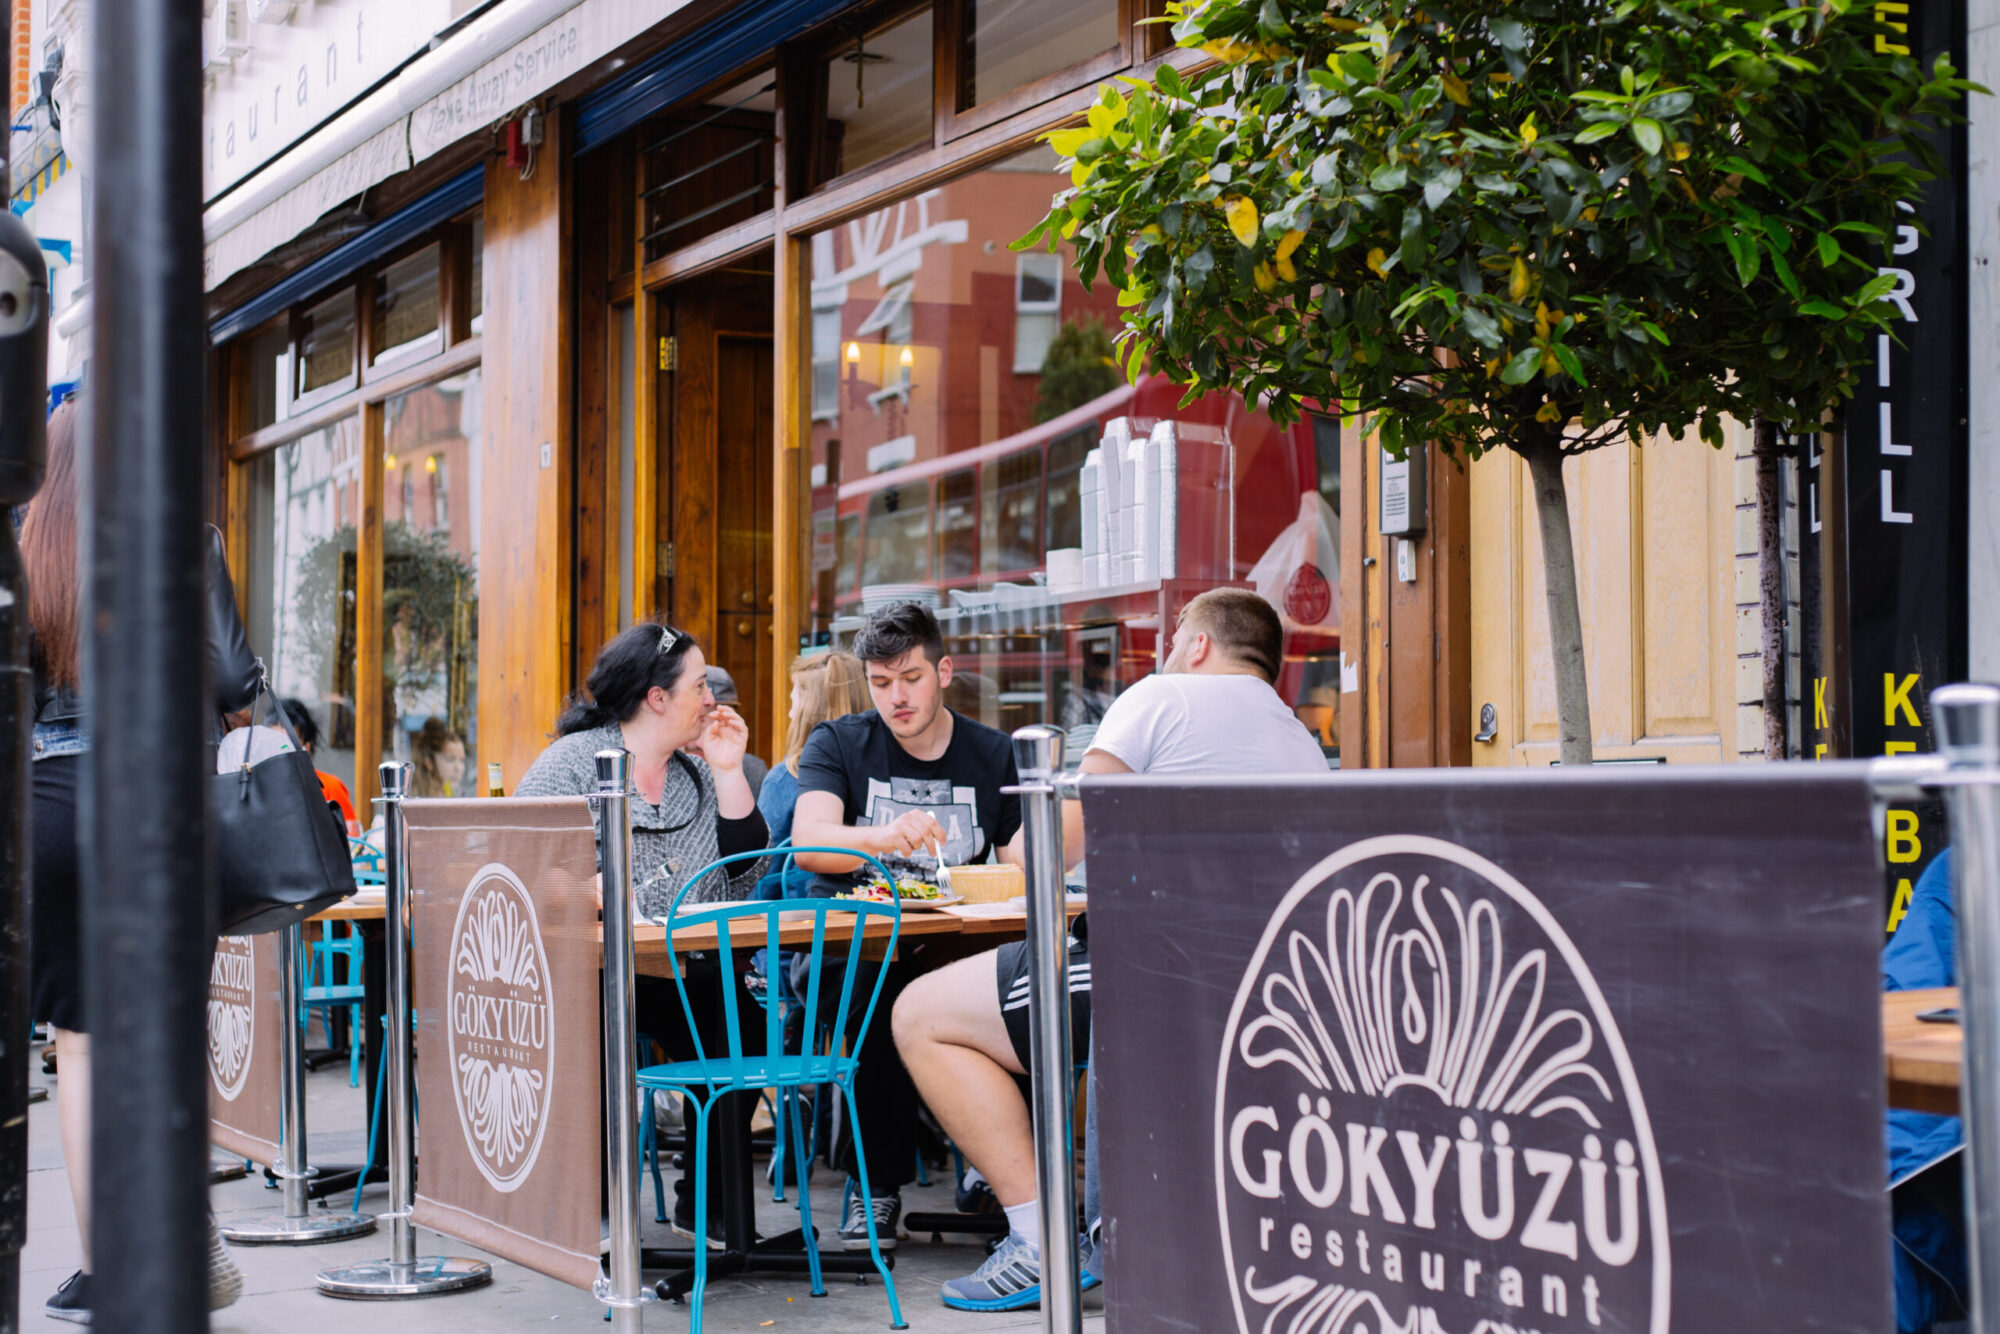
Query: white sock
{"points": [[1025, 1222], [973, 1176]]}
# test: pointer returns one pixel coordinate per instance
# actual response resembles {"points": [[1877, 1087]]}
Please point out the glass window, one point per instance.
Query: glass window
{"points": [[1065, 491], [878, 95], [709, 165], [847, 543], [475, 290], [406, 309], [966, 475], [1012, 521], [826, 364], [1012, 43], [958, 526], [898, 535], [1037, 308], [302, 581], [326, 342], [430, 585], [266, 367]]}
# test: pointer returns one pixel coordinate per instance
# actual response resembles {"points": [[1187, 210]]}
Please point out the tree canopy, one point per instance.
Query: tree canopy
{"points": [[1595, 218]]}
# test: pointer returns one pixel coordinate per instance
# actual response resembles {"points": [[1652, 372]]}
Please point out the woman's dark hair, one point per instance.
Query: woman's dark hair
{"points": [[48, 551], [648, 655], [303, 722]]}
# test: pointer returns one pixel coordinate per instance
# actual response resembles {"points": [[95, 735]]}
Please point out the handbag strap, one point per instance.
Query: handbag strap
{"points": [[284, 718]]}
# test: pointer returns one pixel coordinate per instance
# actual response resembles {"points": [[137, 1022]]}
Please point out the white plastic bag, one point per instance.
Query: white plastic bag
{"points": [[1300, 573]]}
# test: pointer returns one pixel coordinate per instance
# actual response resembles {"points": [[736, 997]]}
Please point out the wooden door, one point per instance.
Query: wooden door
{"points": [[713, 574], [1656, 535], [743, 641]]}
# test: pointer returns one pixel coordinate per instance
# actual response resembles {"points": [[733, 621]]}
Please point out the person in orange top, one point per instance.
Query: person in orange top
{"points": [[336, 791]]}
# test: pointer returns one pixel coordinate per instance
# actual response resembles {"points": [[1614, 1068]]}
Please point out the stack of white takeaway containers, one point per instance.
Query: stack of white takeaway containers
{"points": [[1133, 485]]}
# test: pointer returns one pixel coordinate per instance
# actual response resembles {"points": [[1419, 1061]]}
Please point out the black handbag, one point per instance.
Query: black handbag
{"points": [[281, 851]]}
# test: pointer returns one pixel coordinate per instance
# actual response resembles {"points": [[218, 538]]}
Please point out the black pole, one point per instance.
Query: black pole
{"points": [[146, 869], [24, 334]]}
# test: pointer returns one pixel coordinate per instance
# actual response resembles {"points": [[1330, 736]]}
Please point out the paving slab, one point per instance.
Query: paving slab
{"points": [[280, 1297]]}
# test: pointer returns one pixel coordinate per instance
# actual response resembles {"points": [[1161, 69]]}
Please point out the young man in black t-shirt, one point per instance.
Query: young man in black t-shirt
{"points": [[907, 782]]}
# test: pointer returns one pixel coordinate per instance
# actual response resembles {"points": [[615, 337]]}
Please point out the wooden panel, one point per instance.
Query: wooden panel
{"points": [[1683, 640], [1450, 547], [595, 586], [368, 614], [744, 411], [648, 525], [1356, 500], [691, 459], [1494, 484], [524, 621], [1655, 551]]}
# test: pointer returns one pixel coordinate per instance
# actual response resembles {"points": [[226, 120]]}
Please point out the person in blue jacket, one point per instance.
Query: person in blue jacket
{"points": [[1927, 1210]]}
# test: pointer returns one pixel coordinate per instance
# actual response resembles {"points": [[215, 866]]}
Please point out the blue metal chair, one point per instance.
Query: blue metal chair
{"points": [[328, 989], [749, 925]]}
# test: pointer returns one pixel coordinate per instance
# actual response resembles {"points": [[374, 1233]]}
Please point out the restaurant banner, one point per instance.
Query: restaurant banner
{"points": [[1461, 1051], [245, 1071], [504, 978]]}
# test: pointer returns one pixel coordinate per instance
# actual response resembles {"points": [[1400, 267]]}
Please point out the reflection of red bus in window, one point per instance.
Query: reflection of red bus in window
{"points": [[990, 515]]}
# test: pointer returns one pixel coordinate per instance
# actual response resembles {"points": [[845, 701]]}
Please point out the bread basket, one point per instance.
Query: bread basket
{"points": [[994, 883]]}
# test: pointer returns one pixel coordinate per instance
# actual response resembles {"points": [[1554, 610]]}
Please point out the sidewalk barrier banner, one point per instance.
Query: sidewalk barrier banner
{"points": [[244, 1066], [1483, 1050], [503, 972]]}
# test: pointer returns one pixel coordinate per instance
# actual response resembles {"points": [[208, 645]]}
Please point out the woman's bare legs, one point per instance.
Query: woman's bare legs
{"points": [[73, 1119]]}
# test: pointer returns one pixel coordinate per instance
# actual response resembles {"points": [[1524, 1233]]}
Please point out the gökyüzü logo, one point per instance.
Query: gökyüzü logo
{"points": [[232, 1013], [1426, 1121], [499, 1018]]}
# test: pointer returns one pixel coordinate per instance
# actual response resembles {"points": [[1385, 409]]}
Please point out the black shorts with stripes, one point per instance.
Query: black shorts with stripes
{"points": [[1012, 966]]}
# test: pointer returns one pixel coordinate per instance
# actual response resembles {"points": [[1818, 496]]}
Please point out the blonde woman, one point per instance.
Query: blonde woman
{"points": [[825, 686]]}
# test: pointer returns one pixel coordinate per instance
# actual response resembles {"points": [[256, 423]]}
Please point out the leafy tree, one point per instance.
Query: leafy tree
{"points": [[1081, 365], [430, 615], [1538, 226]]}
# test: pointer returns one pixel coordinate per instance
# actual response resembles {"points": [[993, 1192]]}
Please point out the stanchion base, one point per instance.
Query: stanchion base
{"points": [[384, 1280], [278, 1230]]}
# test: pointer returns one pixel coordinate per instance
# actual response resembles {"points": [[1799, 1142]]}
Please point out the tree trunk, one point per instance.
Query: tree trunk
{"points": [[1543, 450], [1771, 583]]}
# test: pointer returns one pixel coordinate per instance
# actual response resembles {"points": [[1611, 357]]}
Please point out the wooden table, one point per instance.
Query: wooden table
{"points": [[650, 941], [1924, 1060]]}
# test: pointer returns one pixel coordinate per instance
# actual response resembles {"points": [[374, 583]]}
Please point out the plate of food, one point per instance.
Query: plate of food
{"points": [[912, 892]]}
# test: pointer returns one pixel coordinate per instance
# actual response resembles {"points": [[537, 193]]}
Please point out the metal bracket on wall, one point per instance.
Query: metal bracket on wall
{"points": [[664, 558], [670, 352]]}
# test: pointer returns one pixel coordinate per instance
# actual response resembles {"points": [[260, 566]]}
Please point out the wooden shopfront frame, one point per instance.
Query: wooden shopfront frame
{"points": [[963, 140], [362, 394]]}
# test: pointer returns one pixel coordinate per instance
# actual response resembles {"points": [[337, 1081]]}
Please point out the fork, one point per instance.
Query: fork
{"points": [[943, 871]]}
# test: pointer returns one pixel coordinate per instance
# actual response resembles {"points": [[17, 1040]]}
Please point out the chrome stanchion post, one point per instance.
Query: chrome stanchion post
{"points": [[298, 1224], [621, 1289], [403, 1274], [1038, 753], [1968, 729]]}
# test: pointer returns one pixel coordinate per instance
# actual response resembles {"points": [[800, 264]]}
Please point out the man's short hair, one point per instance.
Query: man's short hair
{"points": [[721, 684], [894, 631], [1241, 625]]}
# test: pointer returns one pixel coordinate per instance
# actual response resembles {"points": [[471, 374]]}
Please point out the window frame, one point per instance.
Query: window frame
{"points": [[956, 119], [363, 394]]}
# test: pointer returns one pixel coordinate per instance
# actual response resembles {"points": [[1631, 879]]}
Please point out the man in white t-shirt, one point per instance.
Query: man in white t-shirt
{"points": [[963, 1030]]}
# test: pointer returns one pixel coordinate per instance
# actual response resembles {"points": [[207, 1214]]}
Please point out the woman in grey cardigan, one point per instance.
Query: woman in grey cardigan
{"points": [[648, 694]]}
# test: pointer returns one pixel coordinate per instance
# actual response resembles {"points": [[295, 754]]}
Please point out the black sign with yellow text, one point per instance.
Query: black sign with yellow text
{"points": [[1903, 483]]}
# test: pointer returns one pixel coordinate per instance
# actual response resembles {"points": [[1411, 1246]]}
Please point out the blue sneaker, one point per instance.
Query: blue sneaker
{"points": [[1011, 1278], [1089, 1263]]}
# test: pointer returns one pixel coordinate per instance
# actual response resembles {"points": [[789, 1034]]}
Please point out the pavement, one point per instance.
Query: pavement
{"points": [[279, 1296]]}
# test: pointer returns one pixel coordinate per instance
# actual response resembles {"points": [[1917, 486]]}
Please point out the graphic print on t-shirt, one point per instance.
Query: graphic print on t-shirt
{"points": [[955, 808]]}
